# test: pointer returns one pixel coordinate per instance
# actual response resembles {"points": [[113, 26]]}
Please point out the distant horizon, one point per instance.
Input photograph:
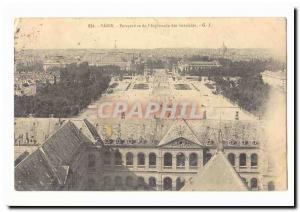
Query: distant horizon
{"points": [[151, 34]]}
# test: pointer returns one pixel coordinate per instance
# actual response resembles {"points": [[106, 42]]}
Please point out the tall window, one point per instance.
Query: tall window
{"points": [[129, 159], [179, 183], [167, 159], [107, 158], [271, 186], [231, 158], [254, 160], [91, 161], [193, 160], [243, 160], [152, 182], [180, 160], [141, 159], [152, 159], [253, 183], [167, 184], [118, 159]]}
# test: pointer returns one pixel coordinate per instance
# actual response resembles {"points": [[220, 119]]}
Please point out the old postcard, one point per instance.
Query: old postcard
{"points": [[150, 104]]}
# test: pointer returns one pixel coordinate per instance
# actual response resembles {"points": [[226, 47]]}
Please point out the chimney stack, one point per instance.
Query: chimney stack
{"points": [[220, 147], [237, 115]]}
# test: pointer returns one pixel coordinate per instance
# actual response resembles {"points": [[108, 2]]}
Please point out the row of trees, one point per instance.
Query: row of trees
{"points": [[241, 82], [29, 67], [78, 87], [240, 68], [250, 93]]}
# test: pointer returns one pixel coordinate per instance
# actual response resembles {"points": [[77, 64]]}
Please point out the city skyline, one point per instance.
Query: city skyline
{"points": [[162, 33]]}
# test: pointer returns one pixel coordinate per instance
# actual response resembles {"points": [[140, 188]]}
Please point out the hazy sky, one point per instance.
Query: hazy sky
{"points": [[53, 33]]}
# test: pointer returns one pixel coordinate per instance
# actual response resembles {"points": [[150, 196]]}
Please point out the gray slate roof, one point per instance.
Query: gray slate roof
{"points": [[47, 168]]}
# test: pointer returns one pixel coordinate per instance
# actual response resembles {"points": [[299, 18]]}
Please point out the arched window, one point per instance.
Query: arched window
{"points": [[129, 159], [152, 182], [193, 160], [129, 181], [253, 183], [152, 159], [140, 182], [118, 182], [118, 159], [141, 159], [107, 158], [243, 160], [254, 160], [180, 160], [179, 183], [91, 161], [231, 158], [168, 159], [167, 184], [271, 186], [107, 183]]}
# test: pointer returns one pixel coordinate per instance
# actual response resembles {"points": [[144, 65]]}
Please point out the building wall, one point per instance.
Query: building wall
{"points": [[86, 170], [118, 173]]}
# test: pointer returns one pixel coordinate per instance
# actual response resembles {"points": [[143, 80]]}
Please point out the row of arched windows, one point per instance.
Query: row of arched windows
{"points": [[253, 183], [130, 183], [180, 159], [243, 159], [117, 183], [167, 184]]}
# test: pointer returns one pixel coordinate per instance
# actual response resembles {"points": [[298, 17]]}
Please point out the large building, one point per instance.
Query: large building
{"points": [[197, 65], [151, 154]]}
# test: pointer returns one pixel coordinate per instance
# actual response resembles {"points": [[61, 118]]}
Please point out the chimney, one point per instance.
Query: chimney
{"points": [[220, 146], [237, 115]]}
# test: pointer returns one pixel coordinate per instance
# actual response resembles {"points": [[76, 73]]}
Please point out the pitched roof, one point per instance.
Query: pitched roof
{"points": [[207, 131], [87, 129], [150, 131], [93, 132], [35, 173], [48, 166], [61, 146], [180, 129], [217, 175]]}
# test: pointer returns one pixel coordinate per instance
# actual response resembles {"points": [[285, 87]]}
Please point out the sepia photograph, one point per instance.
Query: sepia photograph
{"points": [[150, 104]]}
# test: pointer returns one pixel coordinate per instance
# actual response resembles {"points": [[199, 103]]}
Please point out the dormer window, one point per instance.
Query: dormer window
{"points": [[118, 141]]}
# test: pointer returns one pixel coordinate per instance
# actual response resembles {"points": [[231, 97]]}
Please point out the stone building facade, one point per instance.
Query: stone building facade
{"points": [[97, 155]]}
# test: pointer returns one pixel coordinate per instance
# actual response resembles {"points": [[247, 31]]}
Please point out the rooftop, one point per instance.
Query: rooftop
{"points": [[217, 175], [148, 132]]}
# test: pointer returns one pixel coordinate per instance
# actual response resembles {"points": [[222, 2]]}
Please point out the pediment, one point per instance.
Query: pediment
{"points": [[180, 129], [181, 143]]}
